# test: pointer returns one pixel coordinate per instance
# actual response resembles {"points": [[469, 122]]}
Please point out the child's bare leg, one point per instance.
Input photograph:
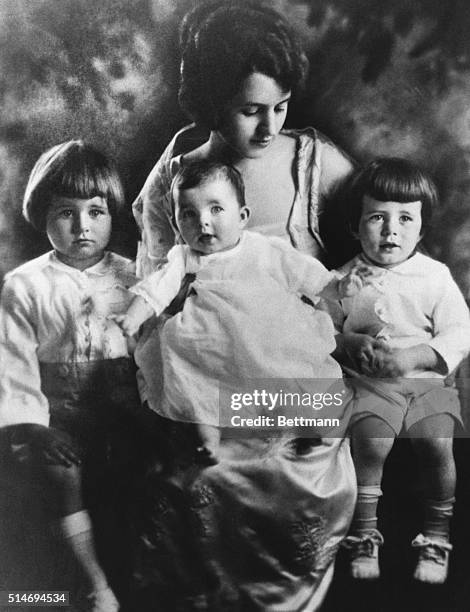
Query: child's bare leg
{"points": [[372, 440], [73, 524], [208, 450], [432, 439]]}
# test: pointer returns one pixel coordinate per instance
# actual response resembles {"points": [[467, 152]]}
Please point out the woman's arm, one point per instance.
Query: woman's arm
{"points": [[153, 208], [336, 167], [152, 212]]}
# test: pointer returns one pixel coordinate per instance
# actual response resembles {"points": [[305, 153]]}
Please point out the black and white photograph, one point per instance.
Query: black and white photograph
{"points": [[234, 308]]}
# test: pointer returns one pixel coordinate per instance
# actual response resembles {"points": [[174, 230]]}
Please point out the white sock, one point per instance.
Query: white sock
{"points": [[76, 529]]}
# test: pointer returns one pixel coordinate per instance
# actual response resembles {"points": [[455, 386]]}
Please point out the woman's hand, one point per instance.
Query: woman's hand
{"points": [[49, 444]]}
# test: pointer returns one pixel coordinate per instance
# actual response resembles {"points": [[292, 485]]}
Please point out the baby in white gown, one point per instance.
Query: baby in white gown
{"points": [[243, 317]]}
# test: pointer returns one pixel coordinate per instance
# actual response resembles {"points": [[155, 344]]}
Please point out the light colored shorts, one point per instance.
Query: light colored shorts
{"points": [[403, 403]]}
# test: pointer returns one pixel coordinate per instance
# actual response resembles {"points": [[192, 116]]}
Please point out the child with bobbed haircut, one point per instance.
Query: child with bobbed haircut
{"points": [[391, 178], [67, 376], [408, 328]]}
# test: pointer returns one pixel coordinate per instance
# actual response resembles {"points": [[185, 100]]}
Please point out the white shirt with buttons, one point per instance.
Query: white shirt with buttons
{"points": [[415, 302], [53, 313]]}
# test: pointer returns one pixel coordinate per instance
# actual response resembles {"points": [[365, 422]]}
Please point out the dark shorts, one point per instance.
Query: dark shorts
{"points": [[91, 400]]}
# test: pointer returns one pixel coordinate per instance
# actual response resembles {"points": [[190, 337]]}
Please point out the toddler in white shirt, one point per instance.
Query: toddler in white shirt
{"points": [[409, 328]]}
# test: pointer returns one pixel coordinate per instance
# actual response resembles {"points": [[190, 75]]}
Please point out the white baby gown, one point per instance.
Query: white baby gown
{"points": [[244, 322]]}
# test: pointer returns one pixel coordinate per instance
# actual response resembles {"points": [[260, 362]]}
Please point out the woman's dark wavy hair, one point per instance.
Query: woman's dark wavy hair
{"points": [[72, 169], [391, 179], [222, 43]]}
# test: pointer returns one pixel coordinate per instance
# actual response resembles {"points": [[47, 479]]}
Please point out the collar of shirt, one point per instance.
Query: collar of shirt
{"points": [[99, 269], [195, 261], [411, 265]]}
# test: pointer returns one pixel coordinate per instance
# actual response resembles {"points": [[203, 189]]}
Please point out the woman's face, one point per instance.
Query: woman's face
{"points": [[254, 117]]}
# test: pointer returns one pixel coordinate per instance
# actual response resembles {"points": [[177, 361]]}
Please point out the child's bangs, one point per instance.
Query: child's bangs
{"points": [[398, 189], [72, 169], [86, 182]]}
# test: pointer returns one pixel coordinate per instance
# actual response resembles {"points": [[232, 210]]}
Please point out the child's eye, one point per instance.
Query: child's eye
{"points": [[66, 213], [376, 217], [406, 218], [216, 209]]}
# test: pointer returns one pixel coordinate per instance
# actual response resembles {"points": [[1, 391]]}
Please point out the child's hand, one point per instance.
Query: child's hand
{"points": [[393, 363], [137, 313], [53, 446], [360, 351], [350, 285], [396, 363], [126, 323]]}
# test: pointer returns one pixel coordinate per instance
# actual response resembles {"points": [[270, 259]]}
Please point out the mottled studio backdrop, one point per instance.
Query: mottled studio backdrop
{"points": [[387, 77]]}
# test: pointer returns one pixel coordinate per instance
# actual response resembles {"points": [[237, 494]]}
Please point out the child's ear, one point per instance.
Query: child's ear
{"points": [[245, 213]]}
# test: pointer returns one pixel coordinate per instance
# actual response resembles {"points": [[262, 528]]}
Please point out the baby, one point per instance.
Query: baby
{"points": [[243, 317]]}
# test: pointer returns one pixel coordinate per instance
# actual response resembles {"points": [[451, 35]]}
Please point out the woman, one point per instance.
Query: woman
{"points": [[260, 530]]}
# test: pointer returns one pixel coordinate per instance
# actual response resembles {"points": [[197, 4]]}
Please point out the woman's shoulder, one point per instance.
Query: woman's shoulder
{"points": [[307, 137], [188, 138], [305, 133], [311, 142]]}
